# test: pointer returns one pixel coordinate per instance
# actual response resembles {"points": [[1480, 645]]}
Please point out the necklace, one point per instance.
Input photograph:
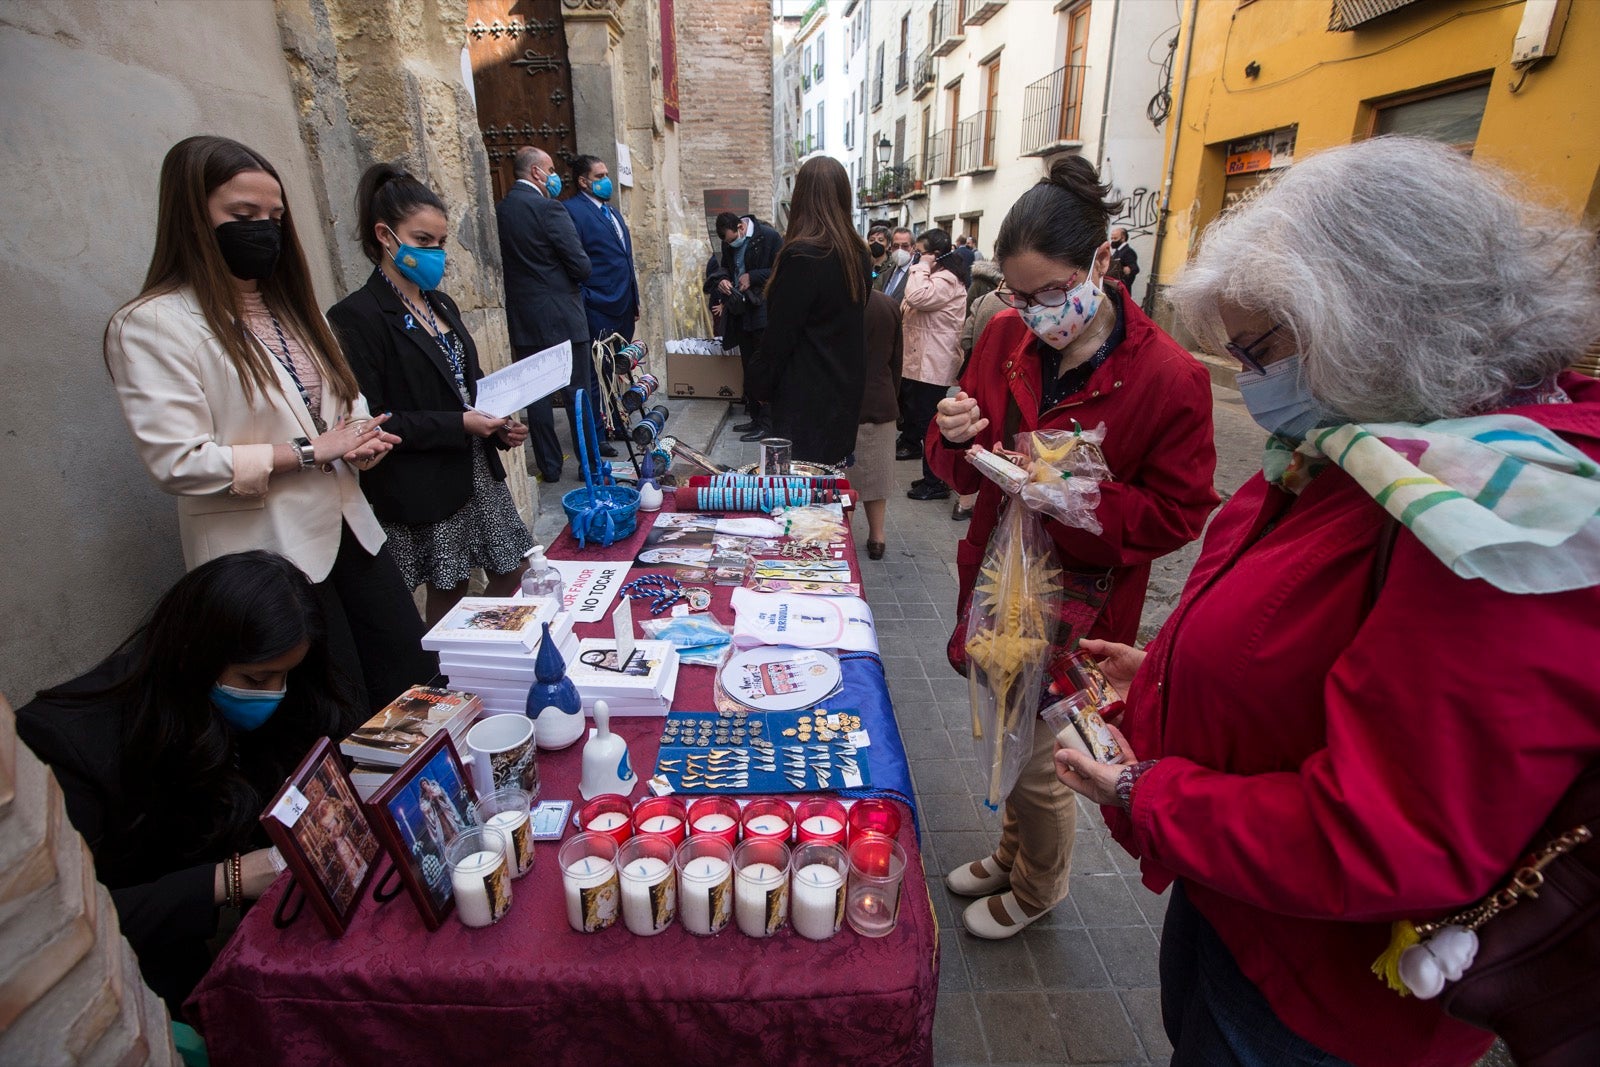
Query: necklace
{"points": [[452, 351], [281, 354]]}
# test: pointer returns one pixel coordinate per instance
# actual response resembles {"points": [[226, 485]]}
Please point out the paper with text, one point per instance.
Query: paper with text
{"points": [[508, 391]]}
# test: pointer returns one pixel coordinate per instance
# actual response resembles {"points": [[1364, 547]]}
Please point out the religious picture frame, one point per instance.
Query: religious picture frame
{"points": [[317, 822], [417, 813]]}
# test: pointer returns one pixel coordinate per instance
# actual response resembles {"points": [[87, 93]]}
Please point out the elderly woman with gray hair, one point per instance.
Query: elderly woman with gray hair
{"points": [[1380, 678]]}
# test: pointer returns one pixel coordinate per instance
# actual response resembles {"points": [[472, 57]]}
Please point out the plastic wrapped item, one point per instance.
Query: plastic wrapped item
{"points": [[1078, 725], [1011, 623], [700, 640], [813, 523], [1065, 478], [998, 469]]}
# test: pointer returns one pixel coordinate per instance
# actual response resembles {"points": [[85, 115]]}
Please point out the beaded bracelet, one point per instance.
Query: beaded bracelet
{"points": [[662, 590]]}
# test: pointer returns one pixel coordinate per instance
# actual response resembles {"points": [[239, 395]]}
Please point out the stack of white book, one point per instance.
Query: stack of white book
{"points": [[643, 684], [490, 646]]}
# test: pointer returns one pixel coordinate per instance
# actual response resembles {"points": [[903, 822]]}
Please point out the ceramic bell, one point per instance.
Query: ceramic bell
{"points": [[605, 759], [553, 701]]}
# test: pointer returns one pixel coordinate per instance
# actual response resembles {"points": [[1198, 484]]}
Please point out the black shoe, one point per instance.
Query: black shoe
{"points": [[608, 450], [929, 491], [875, 549], [959, 513], [744, 427], [756, 434], [550, 476], [903, 451]]}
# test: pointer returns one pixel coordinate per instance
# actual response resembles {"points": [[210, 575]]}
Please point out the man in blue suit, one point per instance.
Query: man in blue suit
{"points": [[611, 293], [545, 265]]}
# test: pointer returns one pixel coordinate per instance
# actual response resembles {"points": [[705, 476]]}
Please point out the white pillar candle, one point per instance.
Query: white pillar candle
{"points": [[607, 821], [766, 825], [660, 824], [761, 899], [715, 823], [519, 840], [817, 901], [822, 825], [648, 900], [591, 887], [473, 879], [705, 897]]}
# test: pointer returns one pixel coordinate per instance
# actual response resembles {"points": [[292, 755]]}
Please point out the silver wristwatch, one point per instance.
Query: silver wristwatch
{"points": [[305, 452]]}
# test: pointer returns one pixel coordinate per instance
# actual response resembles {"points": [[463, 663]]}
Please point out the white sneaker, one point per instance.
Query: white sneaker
{"points": [[980, 920], [967, 880]]}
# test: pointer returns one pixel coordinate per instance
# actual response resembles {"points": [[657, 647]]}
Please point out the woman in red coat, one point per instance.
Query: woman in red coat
{"points": [[1380, 677], [1076, 350]]}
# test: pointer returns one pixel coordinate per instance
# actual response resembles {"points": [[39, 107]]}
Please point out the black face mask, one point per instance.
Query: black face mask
{"points": [[876, 249], [250, 248]]}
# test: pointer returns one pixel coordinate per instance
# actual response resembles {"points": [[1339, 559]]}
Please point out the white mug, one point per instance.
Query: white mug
{"points": [[500, 752]]}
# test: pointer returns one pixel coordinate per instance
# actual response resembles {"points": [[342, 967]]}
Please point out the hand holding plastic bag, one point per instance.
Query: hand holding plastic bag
{"points": [[1065, 474]]}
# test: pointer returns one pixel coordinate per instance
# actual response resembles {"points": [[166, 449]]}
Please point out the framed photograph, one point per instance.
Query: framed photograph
{"points": [[421, 809], [318, 824]]}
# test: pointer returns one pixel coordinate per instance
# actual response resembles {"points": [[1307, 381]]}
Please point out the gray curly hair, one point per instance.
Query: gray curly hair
{"points": [[1417, 284]]}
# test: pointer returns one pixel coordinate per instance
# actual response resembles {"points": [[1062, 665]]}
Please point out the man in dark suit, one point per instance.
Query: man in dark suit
{"points": [[1124, 260], [891, 281], [749, 249], [611, 295], [544, 265]]}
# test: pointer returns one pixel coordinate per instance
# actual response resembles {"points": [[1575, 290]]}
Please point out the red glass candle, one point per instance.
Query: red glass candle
{"points": [[820, 819], [874, 815], [666, 816], [608, 814], [716, 816], [767, 819]]}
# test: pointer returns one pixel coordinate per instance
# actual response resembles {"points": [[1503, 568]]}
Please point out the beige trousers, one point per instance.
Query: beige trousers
{"points": [[1039, 825]]}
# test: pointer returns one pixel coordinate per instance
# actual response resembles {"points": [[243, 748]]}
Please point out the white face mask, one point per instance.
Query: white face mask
{"points": [[1058, 326], [901, 257], [1279, 399]]}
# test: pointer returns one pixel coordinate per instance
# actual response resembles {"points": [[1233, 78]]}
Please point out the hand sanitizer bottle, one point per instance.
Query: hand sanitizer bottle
{"points": [[541, 579]]}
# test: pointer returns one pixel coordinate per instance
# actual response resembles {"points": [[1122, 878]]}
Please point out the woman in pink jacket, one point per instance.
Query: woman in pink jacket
{"points": [[932, 312]]}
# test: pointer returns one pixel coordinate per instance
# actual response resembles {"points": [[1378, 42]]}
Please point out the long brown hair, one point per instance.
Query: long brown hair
{"points": [[187, 254], [819, 219]]}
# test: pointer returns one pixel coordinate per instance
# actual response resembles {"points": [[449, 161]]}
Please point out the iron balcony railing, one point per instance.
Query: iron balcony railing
{"points": [[947, 34], [1052, 108], [894, 183], [939, 162], [902, 71], [922, 75], [975, 141]]}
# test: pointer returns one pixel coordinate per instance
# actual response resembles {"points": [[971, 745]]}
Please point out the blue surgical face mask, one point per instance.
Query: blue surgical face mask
{"points": [[738, 242], [601, 188], [552, 185], [1280, 400], [246, 709], [424, 266]]}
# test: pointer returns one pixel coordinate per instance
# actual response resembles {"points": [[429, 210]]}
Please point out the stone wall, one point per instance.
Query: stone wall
{"points": [[725, 80]]}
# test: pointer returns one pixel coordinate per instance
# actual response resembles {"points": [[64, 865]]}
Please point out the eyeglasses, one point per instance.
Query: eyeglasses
{"points": [[1246, 354], [1050, 297]]}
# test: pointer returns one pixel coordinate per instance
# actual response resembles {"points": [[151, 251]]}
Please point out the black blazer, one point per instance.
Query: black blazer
{"points": [[545, 264], [165, 901], [402, 369], [815, 353]]}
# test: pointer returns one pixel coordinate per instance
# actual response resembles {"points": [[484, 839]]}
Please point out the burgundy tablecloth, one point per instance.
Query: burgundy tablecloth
{"points": [[532, 990]]}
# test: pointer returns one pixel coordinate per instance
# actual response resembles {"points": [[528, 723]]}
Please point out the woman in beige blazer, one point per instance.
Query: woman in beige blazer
{"points": [[242, 405]]}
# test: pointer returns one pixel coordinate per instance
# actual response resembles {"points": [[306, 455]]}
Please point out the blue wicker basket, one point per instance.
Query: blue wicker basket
{"points": [[602, 513]]}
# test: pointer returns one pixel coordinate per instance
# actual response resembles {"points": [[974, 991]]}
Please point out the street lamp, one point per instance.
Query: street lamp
{"points": [[885, 146]]}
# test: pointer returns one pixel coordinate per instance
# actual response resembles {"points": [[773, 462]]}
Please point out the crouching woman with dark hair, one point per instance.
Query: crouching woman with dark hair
{"points": [[169, 749]]}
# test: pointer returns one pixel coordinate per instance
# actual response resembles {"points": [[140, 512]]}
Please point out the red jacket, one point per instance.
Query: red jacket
{"points": [[1155, 400], [1329, 763]]}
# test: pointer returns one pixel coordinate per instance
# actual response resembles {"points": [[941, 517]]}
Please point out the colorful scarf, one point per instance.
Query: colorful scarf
{"points": [[1496, 497]]}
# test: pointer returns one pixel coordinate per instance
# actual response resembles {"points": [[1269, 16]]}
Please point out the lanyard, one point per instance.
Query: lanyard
{"points": [[452, 351], [281, 354]]}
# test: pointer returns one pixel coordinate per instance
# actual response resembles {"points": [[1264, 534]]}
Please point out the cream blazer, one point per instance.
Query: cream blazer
{"points": [[205, 443]]}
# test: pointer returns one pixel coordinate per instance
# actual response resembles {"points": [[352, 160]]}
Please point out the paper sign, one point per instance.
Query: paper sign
{"points": [[622, 626], [624, 165], [859, 738], [508, 391], [291, 807], [589, 587]]}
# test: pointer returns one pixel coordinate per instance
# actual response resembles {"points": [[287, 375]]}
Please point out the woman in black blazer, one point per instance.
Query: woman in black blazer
{"points": [[442, 497], [167, 752], [815, 355]]}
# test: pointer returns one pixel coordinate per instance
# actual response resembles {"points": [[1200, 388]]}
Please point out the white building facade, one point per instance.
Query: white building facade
{"points": [[818, 77], [969, 101]]}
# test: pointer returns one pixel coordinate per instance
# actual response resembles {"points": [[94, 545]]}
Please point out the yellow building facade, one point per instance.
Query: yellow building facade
{"points": [[1263, 82]]}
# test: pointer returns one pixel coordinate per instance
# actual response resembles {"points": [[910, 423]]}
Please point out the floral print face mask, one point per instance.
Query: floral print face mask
{"points": [[1057, 326]]}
